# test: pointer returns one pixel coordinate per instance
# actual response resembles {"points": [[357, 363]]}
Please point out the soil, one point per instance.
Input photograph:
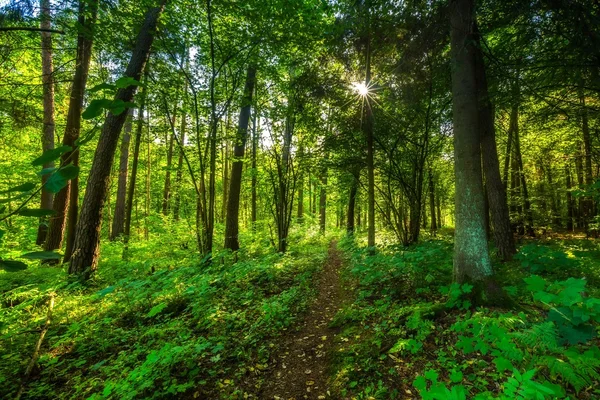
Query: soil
{"points": [[299, 367]]}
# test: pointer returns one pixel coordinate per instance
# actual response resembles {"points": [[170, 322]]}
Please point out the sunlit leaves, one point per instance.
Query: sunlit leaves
{"points": [[51, 155], [60, 178], [25, 187]]}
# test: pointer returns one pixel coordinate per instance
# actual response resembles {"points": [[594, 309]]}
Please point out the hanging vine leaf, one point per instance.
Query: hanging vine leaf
{"points": [[25, 187], [95, 108], [35, 212], [12, 266], [50, 155], [59, 179], [42, 255]]}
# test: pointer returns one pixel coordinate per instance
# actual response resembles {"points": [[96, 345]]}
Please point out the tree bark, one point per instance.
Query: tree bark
{"points": [[352, 205], [496, 192], [48, 118], [56, 228], [570, 208], [471, 256], [254, 170], [134, 168], [179, 176], [167, 188], [233, 199], [87, 239], [118, 224]]}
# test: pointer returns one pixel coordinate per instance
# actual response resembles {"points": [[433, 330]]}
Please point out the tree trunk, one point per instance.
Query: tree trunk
{"points": [[87, 238], [368, 128], [48, 119], [167, 188], [233, 200], [179, 176], [570, 210], [148, 198], [323, 199], [524, 192], [254, 170], [471, 256], [432, 203], [300, 215], [118, 224], [352, 205], [134, 167], [56, 228], [496, 192]]}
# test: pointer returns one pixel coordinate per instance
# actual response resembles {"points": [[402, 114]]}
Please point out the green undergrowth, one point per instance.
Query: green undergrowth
{"points": [[409, 332], [159, 325]]}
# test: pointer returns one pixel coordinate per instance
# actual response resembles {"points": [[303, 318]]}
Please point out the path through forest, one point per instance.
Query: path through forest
{"points": [[300, 366]]}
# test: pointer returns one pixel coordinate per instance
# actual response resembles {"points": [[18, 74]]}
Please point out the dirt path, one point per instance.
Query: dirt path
{"points": [[300, 366]]}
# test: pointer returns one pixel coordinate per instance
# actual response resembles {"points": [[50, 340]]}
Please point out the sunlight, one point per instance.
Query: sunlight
{"points": [[360, 88]]}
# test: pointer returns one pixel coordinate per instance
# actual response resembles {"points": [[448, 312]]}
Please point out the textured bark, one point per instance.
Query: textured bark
{"points": [[48, 118], [233, 199], [56, 228], [134, 167], [87, 239], [471, 256], [495, 189], [118, 224]]}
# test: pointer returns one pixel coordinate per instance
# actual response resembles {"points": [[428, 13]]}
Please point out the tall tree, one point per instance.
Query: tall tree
{"points": [[496, 192], [63, 200], [118, 224], [471, 256], [87, 239], [48, 119], [233, 199]]}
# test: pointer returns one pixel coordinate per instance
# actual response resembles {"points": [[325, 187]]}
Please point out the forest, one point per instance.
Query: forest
{"points": [[300, 199]]}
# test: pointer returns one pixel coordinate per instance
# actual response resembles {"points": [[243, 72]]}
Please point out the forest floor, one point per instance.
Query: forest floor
{"points": [[301, 364]]}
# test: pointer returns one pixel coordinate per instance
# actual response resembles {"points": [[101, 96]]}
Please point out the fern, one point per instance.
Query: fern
{"points": [[538, 338]]}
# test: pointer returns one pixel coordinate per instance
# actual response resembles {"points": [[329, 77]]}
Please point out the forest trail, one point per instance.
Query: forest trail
{"points": [[301, 364]]}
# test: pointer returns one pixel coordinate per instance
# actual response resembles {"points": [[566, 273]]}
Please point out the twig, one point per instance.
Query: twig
{"points": [[26, 28]]}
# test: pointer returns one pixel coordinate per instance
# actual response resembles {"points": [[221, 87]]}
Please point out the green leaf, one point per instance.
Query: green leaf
{"points": [[95, 108], [118, 106], [502, 364], [456, 376], [36, 212], [25, 187], [12, 266], [535, 283], [156, 309], [59, 179], [46, 171], [42, 255], [50, 155], [2, 233], [127, 81], [432, 375], [102, 86]]}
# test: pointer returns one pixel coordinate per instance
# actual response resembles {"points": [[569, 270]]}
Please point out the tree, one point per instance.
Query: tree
{"points": [[471, 257], [67, 198], [48, 119], [233, 199], [119, 216], [87, 239]]}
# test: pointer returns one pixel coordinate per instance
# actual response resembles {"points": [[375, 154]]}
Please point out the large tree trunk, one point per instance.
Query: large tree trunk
{"points": [[56, 229], [496, 192], [233, 200], [118, 224], [471, 256], [48, 119], [134, 167], [87, 239]]}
